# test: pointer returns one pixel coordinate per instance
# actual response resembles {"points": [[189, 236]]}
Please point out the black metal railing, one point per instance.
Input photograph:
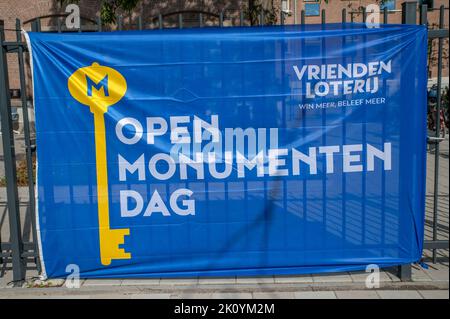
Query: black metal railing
{"points": [[21, 253]]}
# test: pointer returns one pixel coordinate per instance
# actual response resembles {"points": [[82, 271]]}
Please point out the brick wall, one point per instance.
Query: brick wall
{"points": [[334, 10], [26, 10], [333, 13]]}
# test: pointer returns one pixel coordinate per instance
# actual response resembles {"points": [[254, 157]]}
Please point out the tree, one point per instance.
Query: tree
{"points": [[110, 7], [254, 10]]}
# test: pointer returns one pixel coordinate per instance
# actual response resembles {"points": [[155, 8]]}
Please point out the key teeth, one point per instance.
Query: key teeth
{"points": [[114, 238], [124, 254], [119, 239]]}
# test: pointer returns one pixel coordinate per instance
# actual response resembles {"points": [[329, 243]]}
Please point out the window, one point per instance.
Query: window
{"points": [[285, 6], [312, 9], [388, 4], [429, 3]]}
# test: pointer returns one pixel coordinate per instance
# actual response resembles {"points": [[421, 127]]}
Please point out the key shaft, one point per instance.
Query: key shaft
{"points": [[99, 87]]}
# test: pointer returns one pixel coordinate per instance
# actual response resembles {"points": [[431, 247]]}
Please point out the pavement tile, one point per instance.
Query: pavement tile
{"points": [[231, 295], [360, 277], [255, 280], [150, 296], [438, 272], [273, 295], [419, 274], [21, 296], [399, 294], [178, 281], [357, 294], [293, 279], [5, 279], [343, 277], [434, 294], [314, 295], [32, 273], [110, 296], [141, 282], [87, 296], [217, 280], [190, 295], [102, 282], [99, 289], [392, 274]]}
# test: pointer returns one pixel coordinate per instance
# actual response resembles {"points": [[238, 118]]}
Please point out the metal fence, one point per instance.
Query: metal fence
{"points": [[22, 254]]}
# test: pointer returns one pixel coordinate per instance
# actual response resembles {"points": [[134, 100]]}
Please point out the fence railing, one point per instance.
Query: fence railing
{"points": [[19, 253]]}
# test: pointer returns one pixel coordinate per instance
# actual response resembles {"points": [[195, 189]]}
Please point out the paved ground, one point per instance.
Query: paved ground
{"points": [[427, 283]]}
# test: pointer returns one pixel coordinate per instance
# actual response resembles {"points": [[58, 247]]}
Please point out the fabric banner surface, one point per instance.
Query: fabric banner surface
{"points": [[230, 151]]}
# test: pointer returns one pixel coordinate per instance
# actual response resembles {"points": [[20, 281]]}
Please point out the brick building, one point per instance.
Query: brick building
{"points": [[147, 12]]}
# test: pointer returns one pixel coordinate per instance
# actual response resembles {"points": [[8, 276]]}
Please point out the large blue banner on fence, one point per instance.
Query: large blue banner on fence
{"points": [[230, 151]]}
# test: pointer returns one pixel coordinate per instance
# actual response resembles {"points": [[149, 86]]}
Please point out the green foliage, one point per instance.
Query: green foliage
{"points": [[254, 10], [110, 8], [445, 99]]}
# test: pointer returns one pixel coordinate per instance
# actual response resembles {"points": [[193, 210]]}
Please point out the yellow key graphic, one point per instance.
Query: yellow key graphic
{"points": [[100, 87]]}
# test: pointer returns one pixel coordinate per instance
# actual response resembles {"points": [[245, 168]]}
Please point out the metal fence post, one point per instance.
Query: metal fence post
{"points": [[295, 12], [160, 21], [99, 24], [28, 148], [140, 22], [423, 14], [438, 129], [409, 14], [405, 272], [10, 168], [119, 23], [344, 15]]}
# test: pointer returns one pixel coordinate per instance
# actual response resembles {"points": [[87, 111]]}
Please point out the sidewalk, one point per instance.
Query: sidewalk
{"points": [[427, 283]]}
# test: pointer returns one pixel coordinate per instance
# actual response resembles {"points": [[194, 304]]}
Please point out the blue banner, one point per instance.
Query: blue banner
{"points": [[230, 151]]}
